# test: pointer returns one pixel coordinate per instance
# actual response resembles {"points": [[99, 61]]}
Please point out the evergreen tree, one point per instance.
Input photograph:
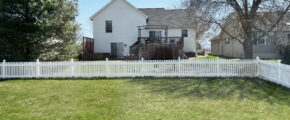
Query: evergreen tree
{"points": [[31, 29]]}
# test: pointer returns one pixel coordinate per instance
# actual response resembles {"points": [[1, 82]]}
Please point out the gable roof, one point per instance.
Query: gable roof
{"points": [[110, 3], [172, 18]]}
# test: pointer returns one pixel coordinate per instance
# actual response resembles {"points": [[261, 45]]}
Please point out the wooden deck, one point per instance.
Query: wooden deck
{"points": [[158, 48], [88, 45]]}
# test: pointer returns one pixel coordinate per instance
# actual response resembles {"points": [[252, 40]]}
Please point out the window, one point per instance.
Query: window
{"points": [[154, 33], [255, 37], [172, 41], [166, 41], [184, 33], [109, 26], [261, 42], [266, 40]]}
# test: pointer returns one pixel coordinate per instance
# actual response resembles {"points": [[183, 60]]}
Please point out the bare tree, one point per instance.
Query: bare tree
{"points": [[246, 13], [193, 10]]}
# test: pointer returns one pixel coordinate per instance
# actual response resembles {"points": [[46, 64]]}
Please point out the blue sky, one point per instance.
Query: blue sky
{"points": [[88, 7]]}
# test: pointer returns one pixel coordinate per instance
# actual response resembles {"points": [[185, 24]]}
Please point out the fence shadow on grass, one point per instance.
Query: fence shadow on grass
{"points": [[218, 88]]}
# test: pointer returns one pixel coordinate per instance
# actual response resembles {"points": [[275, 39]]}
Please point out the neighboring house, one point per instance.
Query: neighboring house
{"points": [[119, 26], [266, 47]]}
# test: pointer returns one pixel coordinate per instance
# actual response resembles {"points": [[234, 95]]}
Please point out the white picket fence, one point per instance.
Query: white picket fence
{"points": [[274, 72]]}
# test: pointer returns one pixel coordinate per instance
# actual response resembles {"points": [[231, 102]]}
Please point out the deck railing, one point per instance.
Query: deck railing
{"points": [[275, 72], [177, 42], [161, 40]]}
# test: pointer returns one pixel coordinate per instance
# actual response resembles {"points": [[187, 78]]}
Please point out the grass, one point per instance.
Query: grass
{"points": [[209, 57], [144, 98]]}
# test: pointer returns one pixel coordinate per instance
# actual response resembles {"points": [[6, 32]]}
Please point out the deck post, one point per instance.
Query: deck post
{"points": [[258, 67], [3, 69], [37, 68], [72, 68], [218, 66], [179, 67], [139, 32], [84, 45], [166, 33], [279, 71]]}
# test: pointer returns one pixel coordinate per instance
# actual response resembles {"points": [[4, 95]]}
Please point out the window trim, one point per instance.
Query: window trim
{"points": [[184, 34], [155, 33], [170, 41], [266, 40], [109, 26]]}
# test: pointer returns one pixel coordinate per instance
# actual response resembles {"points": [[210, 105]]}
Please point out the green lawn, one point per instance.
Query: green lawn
{"points": [[144, 98], [210, 57]]}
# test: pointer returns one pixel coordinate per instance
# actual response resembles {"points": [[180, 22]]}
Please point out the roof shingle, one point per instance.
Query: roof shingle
{"points": [[164, 17]]}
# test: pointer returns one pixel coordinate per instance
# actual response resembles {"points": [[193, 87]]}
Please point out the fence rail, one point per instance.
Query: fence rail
{"points": [[275, 72]]}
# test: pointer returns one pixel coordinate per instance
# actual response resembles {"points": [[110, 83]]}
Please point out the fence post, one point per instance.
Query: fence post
{"points": [[279, 71], [72, 67], [218, 66], [179, 67], [3, 69], [258, 67], [142, 67], [107, 68], [37, 68]]}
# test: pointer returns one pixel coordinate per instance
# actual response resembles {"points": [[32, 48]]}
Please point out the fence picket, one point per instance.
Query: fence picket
{"points": [[179, 67], [107, 67], [72, 67], [3, 69], [218, 66], [37, 68], [278, 73]]}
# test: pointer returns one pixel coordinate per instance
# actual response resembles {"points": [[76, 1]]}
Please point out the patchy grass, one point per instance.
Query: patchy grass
{"points": [[144, 98], [275, 61], [209, 57]]}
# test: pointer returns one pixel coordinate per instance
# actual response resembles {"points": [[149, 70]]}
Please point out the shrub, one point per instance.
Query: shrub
{"points": [[286, 55]]}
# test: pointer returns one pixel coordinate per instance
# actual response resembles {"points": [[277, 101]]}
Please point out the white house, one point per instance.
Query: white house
{"points": [[117, 27]]}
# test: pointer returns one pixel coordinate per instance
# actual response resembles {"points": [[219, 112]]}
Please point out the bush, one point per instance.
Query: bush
{"points": [[286, 55]]}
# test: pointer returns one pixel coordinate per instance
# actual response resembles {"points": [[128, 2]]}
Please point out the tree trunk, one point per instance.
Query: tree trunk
{"points": [[248, 46], [27, 54]]}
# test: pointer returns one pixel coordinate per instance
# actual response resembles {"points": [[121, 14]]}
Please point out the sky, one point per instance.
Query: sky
{"points": [[88, 7]]}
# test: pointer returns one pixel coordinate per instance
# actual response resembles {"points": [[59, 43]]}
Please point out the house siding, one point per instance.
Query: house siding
{"points": [[125, 21], [189, 42], [278, 37], [266, 51], [231, 49], [235, 49], [215, 49]]}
